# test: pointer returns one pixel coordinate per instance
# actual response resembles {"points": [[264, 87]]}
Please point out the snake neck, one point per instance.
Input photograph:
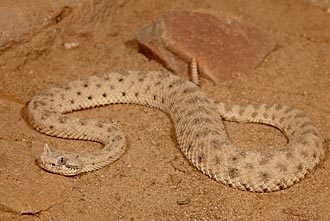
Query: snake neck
{"points": [[108, 154]]}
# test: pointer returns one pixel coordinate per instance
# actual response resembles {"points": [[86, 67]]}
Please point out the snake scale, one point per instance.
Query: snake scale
{"points": [[198, 124]]}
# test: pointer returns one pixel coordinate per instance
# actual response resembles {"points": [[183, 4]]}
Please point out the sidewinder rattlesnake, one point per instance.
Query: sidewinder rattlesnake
{"points": [[198, 124]]}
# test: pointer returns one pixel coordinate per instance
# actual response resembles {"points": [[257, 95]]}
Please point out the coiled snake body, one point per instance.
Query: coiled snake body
{"points": [[198, 124]]}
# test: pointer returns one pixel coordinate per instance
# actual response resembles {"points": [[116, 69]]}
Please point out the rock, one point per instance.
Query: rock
{"points": [[28, 30], [183, 201], [222, 47], [13, 27], [320, 3]]}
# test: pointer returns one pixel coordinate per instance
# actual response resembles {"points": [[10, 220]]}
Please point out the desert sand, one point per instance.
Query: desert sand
{"points": [[43, 44]]}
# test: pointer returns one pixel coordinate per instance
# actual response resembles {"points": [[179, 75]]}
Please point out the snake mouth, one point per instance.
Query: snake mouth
{"points": [[64, 169], [71, 170]]}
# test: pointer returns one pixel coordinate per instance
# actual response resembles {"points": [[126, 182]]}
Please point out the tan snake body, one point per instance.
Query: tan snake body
{"points": [[198, 124]]}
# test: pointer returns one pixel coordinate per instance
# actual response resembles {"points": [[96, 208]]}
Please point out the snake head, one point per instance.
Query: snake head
{"points": [[60, 162]]}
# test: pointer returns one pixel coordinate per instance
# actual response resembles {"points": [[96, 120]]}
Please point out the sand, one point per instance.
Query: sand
{"points": [[44, 44]]}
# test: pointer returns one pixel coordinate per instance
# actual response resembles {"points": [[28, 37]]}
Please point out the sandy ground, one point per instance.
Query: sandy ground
{"points": [[153, 181]]}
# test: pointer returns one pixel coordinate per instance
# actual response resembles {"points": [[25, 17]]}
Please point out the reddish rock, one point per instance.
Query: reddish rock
{"points": [[222, 47]]}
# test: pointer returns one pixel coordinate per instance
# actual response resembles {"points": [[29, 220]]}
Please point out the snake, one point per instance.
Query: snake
{"points": [[198, 123]]}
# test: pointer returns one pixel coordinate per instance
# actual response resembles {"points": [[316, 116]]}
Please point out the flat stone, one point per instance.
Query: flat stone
{"points": [[223, 47]]}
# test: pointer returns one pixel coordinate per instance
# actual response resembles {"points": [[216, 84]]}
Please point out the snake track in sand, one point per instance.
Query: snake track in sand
{"points": [[198, 124]]}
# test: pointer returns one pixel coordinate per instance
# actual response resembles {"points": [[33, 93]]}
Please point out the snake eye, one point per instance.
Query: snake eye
{"points": [[61, 161]]}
